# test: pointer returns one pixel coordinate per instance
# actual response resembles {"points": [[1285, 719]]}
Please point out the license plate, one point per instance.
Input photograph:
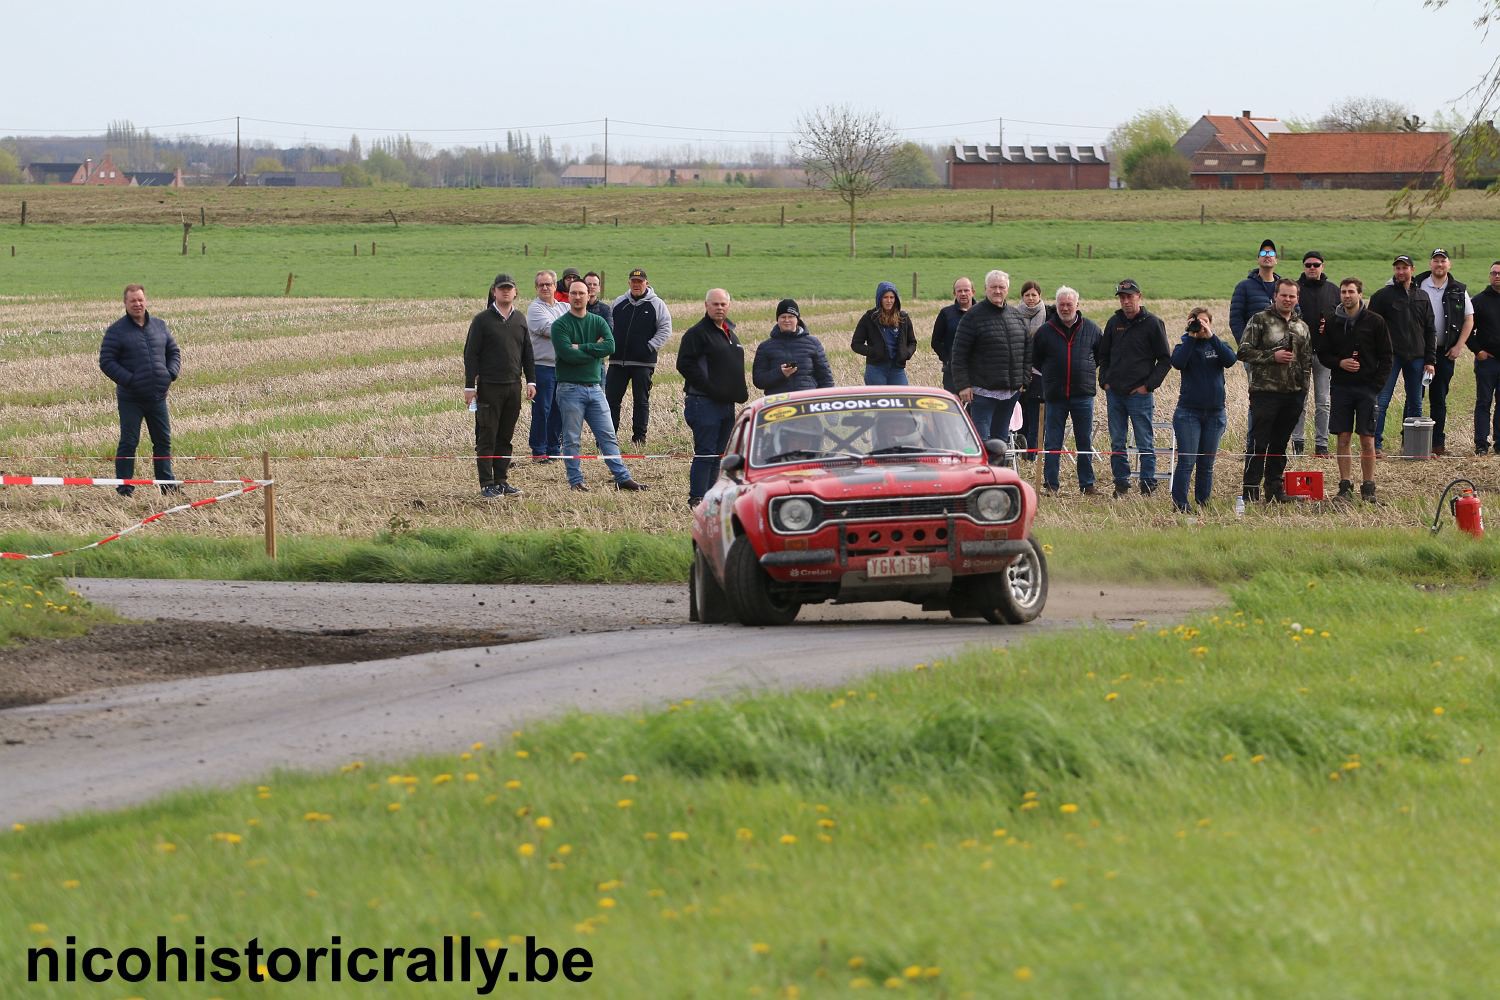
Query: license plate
{"points": [[882, 566]]}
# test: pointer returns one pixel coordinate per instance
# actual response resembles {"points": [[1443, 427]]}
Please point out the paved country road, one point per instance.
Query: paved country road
{"points": [[600, 649]]}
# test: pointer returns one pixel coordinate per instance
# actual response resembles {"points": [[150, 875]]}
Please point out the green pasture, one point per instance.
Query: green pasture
{"points": [[1171, 259], [1287, 796]]}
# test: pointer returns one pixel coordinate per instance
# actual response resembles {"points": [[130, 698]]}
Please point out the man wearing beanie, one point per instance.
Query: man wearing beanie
{"points": [[791, 358], [1255, 292]]}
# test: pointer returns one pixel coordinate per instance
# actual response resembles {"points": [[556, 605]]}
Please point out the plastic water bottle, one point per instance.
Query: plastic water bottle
{"points": [[474, 405], [1239, 505]]}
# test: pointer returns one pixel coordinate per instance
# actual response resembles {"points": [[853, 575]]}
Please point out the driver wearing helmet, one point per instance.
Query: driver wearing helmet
{"points": [[894, 430]]}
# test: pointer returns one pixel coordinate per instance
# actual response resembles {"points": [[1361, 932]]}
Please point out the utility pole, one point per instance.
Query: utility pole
{"points": [[606, 153], [239, 174], [1002, 136]]}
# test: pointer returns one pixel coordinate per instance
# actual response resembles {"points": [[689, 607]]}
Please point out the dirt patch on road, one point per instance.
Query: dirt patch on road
{"points": [[134, 653]]}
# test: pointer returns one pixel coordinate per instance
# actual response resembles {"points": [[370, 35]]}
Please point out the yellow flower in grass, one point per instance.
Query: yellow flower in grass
{"points": [[1259, 758], [1028, 806], [71, 883], [1438, 710], [744, 833], [564, 850], [788, 839], [856, 962], [37, 928], [512, 784], [18, 827], [526, 850], [761, 948], [861, 983], [624, 803], [544, 822], [629, 779], [1068, 807], [1112, 696], [577, 757], [393, 807], [227, 838], [678, 835], [1023, 974], [476, 746], [167, 847], [894, 983], [442, 779], [607, 903]]}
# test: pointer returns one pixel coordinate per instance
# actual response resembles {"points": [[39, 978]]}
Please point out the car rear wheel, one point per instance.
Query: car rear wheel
{"points": [[706, 601], [749, 589], [1023, 592]]}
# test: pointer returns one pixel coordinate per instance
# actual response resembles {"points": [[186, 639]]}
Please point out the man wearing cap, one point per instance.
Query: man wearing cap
{"points": [[498, 371], [1133, 359], [642, 325], [790, 359], [1407, 312], [1255, 292], [1485, 343], [1452, 322], [1317, 298], [1277, 354], [711, 362], [946, 325], [1357, 350], [546, 421], [581, 341]]}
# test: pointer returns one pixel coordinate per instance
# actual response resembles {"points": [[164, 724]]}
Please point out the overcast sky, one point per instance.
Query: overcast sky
{"points": [[725, 77]]}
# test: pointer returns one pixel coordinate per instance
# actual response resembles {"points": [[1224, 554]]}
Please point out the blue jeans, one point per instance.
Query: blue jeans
{"points": [[1437, 395], [1486, 379], [1133, 412], [1411, 371], [711, 423], [579, 403], [546, 419], [1081, 409], [885, 375], [992, 416], [158, 425], [1198, 433]]}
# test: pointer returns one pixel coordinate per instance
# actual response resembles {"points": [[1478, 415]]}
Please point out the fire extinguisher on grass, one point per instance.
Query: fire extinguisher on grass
{"points": [[1464, 506]]}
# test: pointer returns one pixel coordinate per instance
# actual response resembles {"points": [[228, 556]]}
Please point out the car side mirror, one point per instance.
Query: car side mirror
{"points": [[731, 464], [997, 450]]}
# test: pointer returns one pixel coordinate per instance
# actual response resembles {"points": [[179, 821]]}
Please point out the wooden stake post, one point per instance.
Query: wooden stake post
{"points": [[270, 501]]}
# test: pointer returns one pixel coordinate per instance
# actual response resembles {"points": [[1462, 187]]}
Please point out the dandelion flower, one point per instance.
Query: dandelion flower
{"points": [[1259, 758], [744, 833], [629, 779], [788, 839], [513, 784], [1112, 696], [856, 962], [393, 807], [1068, 807], [624, 803], [544, 822], [1058, 883], [607, 903], [1438, 710], [1028, 806], [526, 850], [522, 754], [1023, 974], [678, 835], [761, 948]]}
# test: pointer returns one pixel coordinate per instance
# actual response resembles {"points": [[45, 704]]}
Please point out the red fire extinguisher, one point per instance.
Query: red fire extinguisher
{"points": [[1465, 508]]}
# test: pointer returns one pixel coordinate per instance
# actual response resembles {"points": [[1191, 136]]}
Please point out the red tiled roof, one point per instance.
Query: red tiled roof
{"points": [[1357, 152], [1238, 135]]}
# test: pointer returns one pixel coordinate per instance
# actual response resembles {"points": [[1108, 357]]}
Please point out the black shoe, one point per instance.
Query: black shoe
{"points": [[1122, 490], [1278, 496], [490, 492], [507, 490], [631, 486], [125, 491], [1346, 490], [1049, 491], [1147, 489], [1481, 449], [1090, 491], [638, 442], [1321, 451], [170, 488], [578, 488], [1250, 494], [541, 459], [1297, 447], [1367, 492]]}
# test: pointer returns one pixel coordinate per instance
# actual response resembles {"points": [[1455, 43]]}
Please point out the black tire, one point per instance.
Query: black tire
{"points": [[749, 589], [706, 600], [1023, 593]]}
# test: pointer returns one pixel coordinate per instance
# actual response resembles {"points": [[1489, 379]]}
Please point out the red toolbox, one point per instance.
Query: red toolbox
{"points": [[1308, 485]]}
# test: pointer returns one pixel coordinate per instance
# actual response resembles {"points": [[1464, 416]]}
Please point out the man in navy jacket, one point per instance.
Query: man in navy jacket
{"points": [[141, 358]]}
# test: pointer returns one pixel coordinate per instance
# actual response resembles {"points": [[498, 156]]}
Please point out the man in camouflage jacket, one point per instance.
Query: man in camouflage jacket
{"points": [[1276, 351]]}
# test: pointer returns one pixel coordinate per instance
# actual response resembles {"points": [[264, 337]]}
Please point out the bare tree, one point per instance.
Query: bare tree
{"points": [[845, 151], [1365, 114], [1475, 150]]}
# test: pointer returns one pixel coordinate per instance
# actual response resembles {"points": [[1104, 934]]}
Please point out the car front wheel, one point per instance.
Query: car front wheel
{"points": [[1023, 590], [749, 589], [706, 601]]}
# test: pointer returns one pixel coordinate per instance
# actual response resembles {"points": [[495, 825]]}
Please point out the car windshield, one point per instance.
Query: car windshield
{"points": [[860, 427]]}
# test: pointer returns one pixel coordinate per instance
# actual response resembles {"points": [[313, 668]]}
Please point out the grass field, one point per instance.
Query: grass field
{"points": [[1289, 796]]}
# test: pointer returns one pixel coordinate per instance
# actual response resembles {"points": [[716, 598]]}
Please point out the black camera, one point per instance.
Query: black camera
{"points": [[1194, 326]]}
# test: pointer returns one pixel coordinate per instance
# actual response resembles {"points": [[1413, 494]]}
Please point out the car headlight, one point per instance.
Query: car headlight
{"points": [[994, 504], [795, 514]]}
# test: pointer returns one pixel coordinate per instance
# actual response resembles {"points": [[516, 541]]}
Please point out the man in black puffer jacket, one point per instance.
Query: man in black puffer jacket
{"points": [[712, 364], [992, 358], [791, 359], [1064, 354], [141, 358]]}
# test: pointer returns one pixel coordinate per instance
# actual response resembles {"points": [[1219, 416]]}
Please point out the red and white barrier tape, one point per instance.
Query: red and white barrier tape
{"points": [[96, 481], [248, 486], [679, 455]]}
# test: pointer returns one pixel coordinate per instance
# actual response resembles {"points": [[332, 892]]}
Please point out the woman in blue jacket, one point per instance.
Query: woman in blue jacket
{"points": [[1200, 418], [792, 358]]}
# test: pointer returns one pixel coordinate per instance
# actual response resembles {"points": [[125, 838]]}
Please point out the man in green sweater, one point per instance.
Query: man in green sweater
{"points": [[582, 340]]}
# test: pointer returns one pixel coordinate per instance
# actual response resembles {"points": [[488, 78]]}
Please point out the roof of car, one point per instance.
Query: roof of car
{"points": [[845, 391]]}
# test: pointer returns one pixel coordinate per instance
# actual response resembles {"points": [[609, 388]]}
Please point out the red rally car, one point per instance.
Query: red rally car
{"points": [[880, 493]]}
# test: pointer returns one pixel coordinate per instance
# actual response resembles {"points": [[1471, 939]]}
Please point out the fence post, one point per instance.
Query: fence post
{"points": [[289, 277], [23, 212], [1202, 213], [1091, 251], [372, 248], [202, 216], [783, 216], [585, 215], [187, 227], [270, 505], [727, 248], [203, 249], [356, 249], [992, 215], [708, 249]]}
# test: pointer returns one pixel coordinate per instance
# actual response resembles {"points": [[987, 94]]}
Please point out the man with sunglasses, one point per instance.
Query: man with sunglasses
{"points": [[1255, 293], [1317, 298]]}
